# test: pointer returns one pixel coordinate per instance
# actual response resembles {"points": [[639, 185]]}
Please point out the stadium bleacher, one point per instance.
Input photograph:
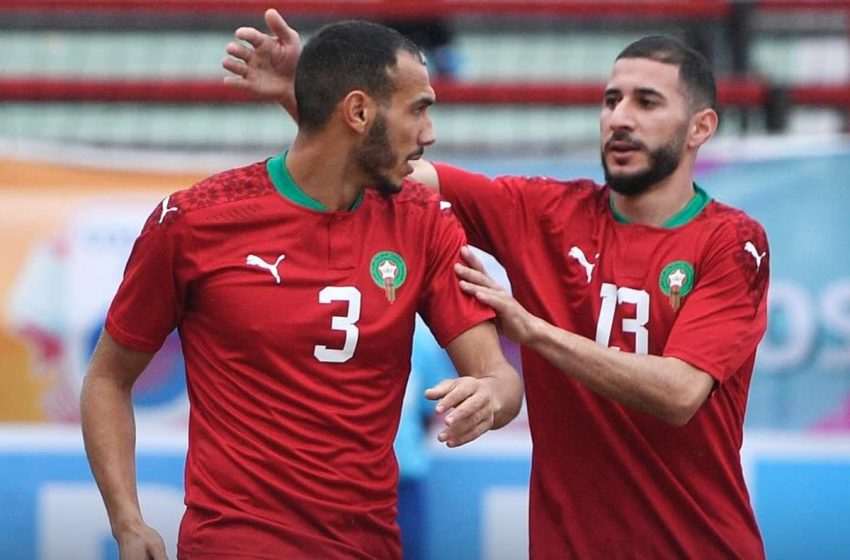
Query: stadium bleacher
{"points": [[778, 63]]}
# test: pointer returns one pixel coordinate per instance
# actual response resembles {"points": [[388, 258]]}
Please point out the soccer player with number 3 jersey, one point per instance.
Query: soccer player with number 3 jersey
{"points": [[294, 284], [639, 305]]}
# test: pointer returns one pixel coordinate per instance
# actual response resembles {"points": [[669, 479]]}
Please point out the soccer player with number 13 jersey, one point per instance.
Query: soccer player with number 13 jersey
{"points": [[639, 305]]}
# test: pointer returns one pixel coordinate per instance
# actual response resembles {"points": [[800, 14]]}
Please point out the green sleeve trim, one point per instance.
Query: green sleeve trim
{"points": [[691, 210], [286, 186]]}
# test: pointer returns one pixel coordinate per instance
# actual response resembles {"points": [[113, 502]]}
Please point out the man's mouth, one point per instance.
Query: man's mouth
{"points": [[622, 146], [411, 157]]}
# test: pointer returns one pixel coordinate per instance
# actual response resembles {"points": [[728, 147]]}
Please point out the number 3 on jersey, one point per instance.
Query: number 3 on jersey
{"points": [[346, 324], [611, 297]]}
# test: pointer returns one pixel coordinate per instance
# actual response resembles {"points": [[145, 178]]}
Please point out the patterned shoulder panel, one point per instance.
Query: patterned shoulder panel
{"points": [[424, 197], [581, 188], [228, 186], [558, 199], [417, 193], [543, 180], [411, 195], [592, 193], [751, 252]]}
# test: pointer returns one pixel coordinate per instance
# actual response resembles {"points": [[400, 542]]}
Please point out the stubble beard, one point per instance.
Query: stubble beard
{"points": [[663, 161], [376, 154]]}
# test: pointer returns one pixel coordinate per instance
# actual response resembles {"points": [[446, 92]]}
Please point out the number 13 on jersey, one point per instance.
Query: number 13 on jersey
{"points": [[612, 296]]}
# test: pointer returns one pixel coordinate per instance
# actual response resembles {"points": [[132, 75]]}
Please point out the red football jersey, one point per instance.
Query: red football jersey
{"points": [[296, 326], [608, 481]]}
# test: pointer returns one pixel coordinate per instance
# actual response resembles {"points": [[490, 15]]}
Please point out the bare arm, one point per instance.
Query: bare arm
{"points": [[424, 172], [109, 433], [667, 388], [488, 394]]}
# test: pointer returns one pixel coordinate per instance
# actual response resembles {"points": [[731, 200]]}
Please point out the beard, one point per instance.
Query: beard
{"points": [[375, 154], [663, 161]]}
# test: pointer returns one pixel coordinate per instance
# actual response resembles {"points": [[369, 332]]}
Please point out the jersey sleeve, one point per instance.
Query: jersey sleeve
{"points": [[448, 311], [148, 304], [725, 317], [493, 212]]}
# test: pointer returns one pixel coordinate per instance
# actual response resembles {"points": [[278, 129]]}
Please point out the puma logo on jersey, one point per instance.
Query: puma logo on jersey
{"points": [[751, 249], [166, 209], [578, 254], [445, 205], [254, 260]]}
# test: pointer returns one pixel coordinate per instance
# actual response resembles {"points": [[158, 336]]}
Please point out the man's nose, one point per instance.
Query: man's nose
{"points": [[427, 136], [622, 116]]}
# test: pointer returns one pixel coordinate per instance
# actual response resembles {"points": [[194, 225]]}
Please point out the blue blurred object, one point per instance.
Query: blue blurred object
{"points": [[429, 365], [800, 502]]}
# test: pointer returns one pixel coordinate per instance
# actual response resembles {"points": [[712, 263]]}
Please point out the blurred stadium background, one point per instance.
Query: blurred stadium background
{"points": [[106, 106]]}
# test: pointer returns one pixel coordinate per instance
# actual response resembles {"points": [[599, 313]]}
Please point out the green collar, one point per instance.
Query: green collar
{"points": [[285, 185], [696, 205]]}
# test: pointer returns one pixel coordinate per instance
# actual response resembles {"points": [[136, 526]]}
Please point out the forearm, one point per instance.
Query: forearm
{"points": [[488, 393], [424, 172], [666, 388], [109, 436], [506, 387]]}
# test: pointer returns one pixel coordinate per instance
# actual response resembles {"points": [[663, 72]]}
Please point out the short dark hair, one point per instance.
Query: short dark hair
{"points": [[694, 70], [342, 57]]}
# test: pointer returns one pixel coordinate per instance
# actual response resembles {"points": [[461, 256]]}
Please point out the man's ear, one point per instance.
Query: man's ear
{"points": [[358, 110], [703, 125]]}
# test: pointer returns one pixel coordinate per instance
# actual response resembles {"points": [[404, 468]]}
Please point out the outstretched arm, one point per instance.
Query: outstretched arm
{"points": [[109, 433], [668, 388], [488, 393]]}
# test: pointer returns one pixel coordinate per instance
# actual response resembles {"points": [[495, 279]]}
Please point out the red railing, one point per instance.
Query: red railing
{"points": [[698, 9], [740, 92], [428, 8], [821, 95], [802, 5], [732, 92]]}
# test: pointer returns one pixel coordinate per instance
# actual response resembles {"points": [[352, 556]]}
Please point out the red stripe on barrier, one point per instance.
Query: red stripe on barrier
{"points": [[820, 95], [731, 92], [392, 8], [803, 5], [123, 91]]}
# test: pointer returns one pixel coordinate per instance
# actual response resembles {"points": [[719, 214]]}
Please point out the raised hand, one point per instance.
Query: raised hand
{"points": [[264, 65]]}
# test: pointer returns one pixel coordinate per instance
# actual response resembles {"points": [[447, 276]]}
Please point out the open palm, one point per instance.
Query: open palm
{"points": [[264, 65]]}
